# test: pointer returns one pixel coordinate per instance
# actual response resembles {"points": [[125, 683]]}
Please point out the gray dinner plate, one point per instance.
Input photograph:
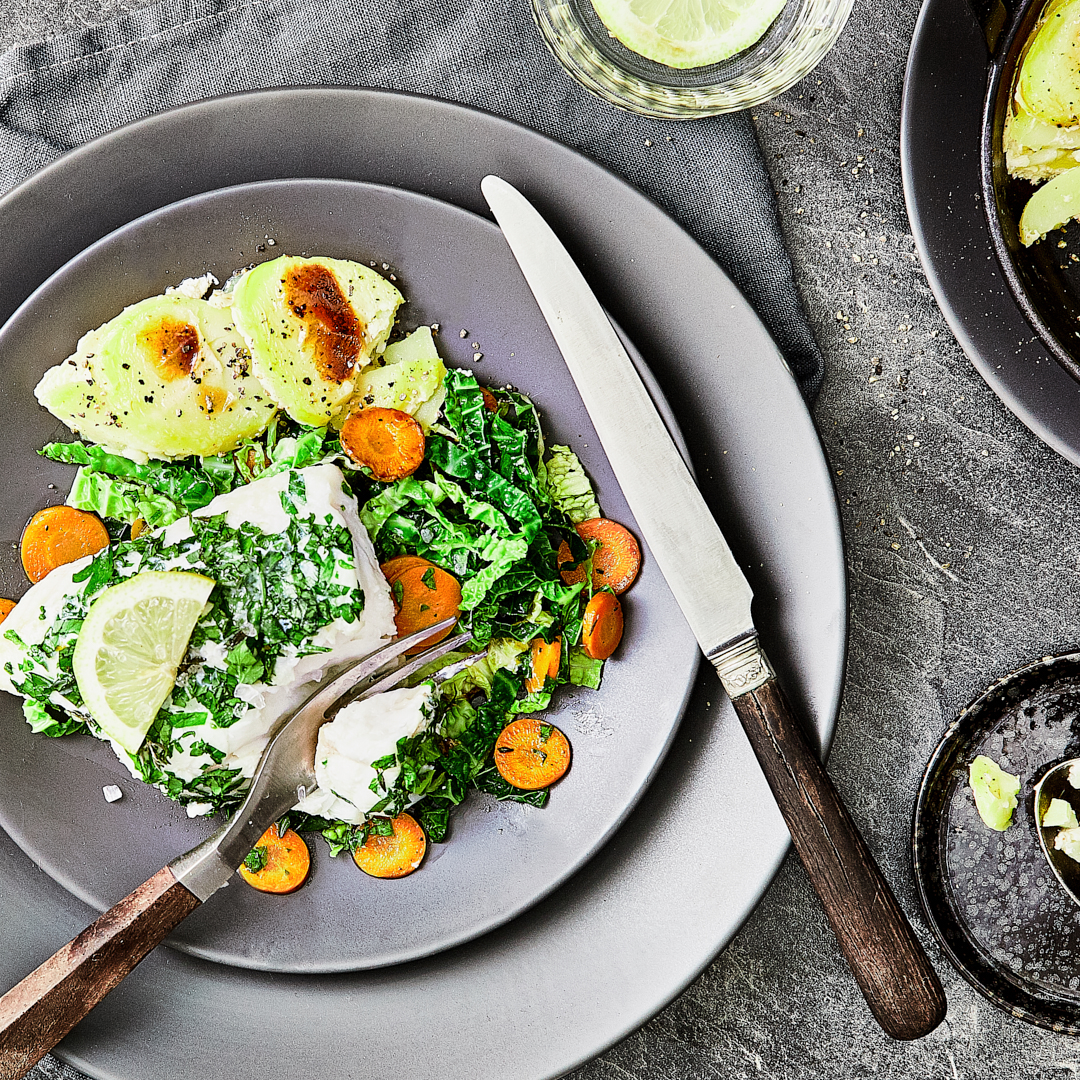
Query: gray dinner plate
{"points": [[457, 273], [639, 920]]}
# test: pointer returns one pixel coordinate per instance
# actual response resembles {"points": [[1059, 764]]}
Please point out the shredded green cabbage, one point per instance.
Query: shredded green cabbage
{"points": [[485, 506], [569, 487]]}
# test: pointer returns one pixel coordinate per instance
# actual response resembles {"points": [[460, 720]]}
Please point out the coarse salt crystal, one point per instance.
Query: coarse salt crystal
{"points": [[112, 793]]}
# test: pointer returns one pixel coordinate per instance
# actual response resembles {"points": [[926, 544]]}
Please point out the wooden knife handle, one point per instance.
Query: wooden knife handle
{"points": [[890, 966], [37, 1013]]}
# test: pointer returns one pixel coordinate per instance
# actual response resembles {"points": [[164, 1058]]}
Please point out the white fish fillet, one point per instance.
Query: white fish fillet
{"points": [[257, 705]]}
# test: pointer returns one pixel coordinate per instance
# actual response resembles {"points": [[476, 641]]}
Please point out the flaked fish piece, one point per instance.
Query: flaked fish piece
{"points": [[299, 594]]}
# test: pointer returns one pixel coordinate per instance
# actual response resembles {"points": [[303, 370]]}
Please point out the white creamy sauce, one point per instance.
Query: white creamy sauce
{"points": [[25, 618], [362, 733], [294, 677], [193, 287], [291, 684]]}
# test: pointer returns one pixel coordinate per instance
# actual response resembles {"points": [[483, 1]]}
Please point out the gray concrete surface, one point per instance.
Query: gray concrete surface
{"points": [[964, 562]]}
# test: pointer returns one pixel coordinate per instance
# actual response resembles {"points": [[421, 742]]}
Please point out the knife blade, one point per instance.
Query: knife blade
{"points": [[889, 964]]}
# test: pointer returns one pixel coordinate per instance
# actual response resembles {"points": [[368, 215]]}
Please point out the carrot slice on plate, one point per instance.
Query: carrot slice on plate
{"points": [[545, 657], [616, 558], [530, 754], [283, 861], [6, 608], [576, 572], [424, 596], [395, 855], [390, 443], [58, 535], [602, 625], [393, 568]]}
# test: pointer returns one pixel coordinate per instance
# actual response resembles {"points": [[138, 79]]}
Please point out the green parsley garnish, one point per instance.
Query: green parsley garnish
{"points": [[257, 858]]}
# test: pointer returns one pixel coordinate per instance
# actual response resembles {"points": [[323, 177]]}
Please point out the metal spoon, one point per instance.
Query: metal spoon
{"points": [[1055, 785]]}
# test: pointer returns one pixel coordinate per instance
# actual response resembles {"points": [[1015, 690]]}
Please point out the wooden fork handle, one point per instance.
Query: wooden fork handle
{"points": [[37, 1013]]}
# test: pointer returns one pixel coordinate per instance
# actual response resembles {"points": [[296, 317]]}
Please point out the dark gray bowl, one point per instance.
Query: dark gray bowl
{"points": [[1042, 279], [624, 935]]}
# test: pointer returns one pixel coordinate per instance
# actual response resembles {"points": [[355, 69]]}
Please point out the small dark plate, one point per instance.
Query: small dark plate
{"points": [[1042, 277], [620, 939], [990, 897]]}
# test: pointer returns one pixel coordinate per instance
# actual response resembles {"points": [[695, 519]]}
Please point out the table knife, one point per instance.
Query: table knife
{"points": [[889, 964]]}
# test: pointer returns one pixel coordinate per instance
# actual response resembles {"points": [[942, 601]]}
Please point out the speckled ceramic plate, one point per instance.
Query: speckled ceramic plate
{"points": [[994, 903], [611, 946]]}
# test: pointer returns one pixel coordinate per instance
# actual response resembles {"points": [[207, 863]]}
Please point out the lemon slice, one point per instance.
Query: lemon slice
{"points": [[687, 33], [130, 645]]}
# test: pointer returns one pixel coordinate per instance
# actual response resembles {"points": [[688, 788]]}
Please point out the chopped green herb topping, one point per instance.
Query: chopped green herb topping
{"points": [[257, 858], [482, 506]]}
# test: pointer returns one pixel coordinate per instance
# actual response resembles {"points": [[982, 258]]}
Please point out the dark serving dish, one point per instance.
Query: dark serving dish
{"points": [[990, 898], [941, 126], [1042, 278]]}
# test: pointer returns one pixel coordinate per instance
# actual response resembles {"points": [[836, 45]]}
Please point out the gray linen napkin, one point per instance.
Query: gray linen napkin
{"points": [[710, 176]]}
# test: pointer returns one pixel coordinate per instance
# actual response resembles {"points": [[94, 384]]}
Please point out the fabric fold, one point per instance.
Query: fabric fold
{"points": [[708, 174]]}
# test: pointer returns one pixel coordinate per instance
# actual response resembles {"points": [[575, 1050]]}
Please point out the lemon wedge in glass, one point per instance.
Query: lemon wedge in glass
{"points": [[687, 33], [130, 646]]}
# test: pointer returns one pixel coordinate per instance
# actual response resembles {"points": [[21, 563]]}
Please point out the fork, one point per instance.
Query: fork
{"points": [[39, 1011]]}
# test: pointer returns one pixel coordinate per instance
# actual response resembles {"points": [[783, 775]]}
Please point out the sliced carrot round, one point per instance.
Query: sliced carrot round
{"points": [[545, 657], [396, 855], [602, 625], [424, 596], [286, 862], [393, 568], [530, 754], [390, 443], [6, 608], [616, 557], [58, 535], [576, 573], [138, 527]]}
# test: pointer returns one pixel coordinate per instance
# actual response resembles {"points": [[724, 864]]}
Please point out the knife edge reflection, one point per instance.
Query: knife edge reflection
{"points": [[682, 534]]}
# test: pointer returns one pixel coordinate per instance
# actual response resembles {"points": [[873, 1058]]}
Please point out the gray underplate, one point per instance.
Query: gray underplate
{"points": [[455, 271], [630, 929], [1001, 916]]}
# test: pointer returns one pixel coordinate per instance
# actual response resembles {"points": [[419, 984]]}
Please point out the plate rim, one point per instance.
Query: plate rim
{"points": [[519, 141], [992, 166]]}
